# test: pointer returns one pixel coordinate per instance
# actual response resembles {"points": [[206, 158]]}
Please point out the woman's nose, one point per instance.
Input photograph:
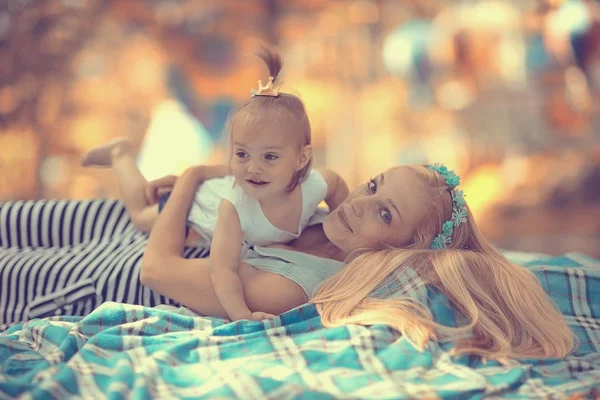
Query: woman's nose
{"points": [[358, 205]]}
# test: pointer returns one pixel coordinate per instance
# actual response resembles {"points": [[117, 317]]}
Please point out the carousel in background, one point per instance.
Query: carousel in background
{"points": [[505, 91]]}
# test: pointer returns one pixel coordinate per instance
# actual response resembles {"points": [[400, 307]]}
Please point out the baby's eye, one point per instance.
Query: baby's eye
{"points": [[372, 186], [385, 215], [241, 154], [271, 157]]}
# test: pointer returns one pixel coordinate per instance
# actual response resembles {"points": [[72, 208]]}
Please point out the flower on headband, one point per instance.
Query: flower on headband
{"points": [[459, 209], [440, 168], [459, 198], [459, 216], [438, 243], [447, 228], [449, 176], [452, 179]]}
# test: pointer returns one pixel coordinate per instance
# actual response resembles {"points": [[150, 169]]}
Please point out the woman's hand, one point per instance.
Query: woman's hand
{"points": [[259, 316], [196, 175], [255, 316], [157, 187], [201, 173]]}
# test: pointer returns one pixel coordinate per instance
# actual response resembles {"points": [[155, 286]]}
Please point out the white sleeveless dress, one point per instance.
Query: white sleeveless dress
{"points": [[256, 228]]}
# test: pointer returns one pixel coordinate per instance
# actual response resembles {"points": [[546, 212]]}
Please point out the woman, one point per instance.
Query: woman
{"points": [[407, 217]]}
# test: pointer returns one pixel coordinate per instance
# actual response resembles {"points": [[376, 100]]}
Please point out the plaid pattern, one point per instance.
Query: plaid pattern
{"points": [[122, 350]]}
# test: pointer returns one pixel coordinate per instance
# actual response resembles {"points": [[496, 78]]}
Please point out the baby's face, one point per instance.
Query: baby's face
{"points": [[263, 162]]}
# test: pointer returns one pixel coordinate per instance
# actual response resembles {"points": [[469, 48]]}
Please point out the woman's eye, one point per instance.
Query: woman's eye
{"points": [[372, 186], [385, 215], [271, 157], [241, 154]]}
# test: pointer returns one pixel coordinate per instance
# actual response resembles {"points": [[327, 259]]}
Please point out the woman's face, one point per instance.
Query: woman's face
{"points": [[382, 212]]}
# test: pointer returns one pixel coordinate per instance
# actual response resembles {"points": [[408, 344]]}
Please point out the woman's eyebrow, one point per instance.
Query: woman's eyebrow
{"points": [[395, 208], [390, 201]]}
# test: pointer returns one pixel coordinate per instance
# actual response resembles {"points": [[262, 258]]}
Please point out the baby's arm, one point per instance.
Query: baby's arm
{"points": [[337, 188], [224, 261]]}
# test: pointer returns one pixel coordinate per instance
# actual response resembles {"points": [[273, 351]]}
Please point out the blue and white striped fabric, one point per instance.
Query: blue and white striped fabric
{"points": [[127, 351], [67, 257]]}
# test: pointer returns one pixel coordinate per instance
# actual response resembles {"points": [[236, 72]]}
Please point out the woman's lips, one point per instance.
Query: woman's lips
{"points": [[344, 219]]}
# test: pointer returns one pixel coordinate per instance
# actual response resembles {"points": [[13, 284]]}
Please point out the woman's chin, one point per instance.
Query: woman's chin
{"points": [[331, 232], [327, 226]]}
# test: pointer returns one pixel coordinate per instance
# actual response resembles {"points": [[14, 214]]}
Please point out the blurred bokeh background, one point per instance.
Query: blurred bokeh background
{"points": [[506, 92]]}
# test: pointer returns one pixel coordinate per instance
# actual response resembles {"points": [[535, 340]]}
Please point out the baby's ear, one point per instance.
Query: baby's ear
{"points": [[305, 156]]}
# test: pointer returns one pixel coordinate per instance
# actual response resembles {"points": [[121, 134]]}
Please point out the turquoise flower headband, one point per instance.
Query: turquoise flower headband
{"points": [[459, 208]]}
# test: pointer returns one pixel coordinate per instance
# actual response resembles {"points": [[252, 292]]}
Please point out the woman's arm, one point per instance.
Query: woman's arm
{"points": [[168, 233], [188, 282], [224, 262], [337, 188], [165, 270], [206, 172], [165, 184]]}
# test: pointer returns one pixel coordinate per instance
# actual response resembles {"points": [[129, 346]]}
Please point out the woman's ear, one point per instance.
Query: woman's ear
{"points": [[305, 157]]}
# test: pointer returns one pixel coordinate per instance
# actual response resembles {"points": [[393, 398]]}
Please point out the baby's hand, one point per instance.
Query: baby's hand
{"points": [[157, 187], [259, 316]]}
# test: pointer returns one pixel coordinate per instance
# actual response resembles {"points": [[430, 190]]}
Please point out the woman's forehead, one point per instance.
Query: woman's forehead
{"points": [[404, 185], [401, 175]]}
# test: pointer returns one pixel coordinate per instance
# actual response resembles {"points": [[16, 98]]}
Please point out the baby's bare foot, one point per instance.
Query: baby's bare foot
{"points": [[102, 156]]}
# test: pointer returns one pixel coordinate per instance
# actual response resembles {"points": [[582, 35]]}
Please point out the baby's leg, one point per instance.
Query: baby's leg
{"points": [[119, 155]]}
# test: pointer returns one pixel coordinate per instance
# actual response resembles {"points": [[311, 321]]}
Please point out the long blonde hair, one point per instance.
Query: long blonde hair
{"points": [[508, 314]]}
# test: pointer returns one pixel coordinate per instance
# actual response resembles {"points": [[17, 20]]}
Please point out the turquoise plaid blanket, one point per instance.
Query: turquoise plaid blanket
{"points": [[125, 351]]}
